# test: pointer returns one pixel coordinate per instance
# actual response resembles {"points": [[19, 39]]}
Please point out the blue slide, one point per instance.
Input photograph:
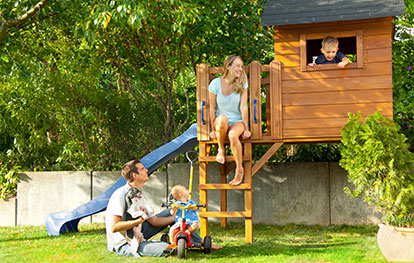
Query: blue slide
{"points": [[60, 222]]}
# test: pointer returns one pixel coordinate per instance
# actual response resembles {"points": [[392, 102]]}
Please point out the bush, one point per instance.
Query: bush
{"points": [[8, 182], [380, 166]]}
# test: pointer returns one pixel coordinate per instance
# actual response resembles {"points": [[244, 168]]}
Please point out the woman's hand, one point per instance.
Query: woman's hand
{"points": [[213, 135], [246, 134]]}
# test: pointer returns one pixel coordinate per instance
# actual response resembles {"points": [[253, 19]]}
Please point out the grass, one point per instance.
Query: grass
{"points": [[289, 243]]}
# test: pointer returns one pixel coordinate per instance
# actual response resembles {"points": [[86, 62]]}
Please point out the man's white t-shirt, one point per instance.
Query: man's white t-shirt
{"points": [[116, 207]]}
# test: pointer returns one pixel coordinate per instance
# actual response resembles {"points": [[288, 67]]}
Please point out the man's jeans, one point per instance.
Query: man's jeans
{"points": [[152, 248]]}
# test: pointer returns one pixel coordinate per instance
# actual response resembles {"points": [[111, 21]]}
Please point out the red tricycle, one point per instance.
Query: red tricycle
{"points": [[182, 240]]}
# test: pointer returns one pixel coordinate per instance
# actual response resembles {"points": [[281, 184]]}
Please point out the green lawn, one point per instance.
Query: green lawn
{"points": [[290, 243]]}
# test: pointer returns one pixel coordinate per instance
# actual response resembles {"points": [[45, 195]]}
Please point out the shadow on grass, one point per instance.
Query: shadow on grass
{"points": [[39, 235]]}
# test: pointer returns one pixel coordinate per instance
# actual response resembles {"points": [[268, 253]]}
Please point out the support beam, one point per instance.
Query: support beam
{"points": [[266, 157]]}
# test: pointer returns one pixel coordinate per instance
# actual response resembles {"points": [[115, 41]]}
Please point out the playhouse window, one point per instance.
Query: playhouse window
{"points": [[350, 43]]}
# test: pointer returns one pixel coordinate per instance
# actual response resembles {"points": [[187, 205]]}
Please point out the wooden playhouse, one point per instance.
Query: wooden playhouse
{"points": [[303, 103]]}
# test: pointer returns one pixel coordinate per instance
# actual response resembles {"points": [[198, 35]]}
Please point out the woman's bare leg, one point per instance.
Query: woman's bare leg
{"points": [[222, 125], [235, 131]]}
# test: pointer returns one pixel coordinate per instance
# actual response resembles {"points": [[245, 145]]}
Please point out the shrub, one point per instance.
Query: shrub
{"points": [[380, 166]]}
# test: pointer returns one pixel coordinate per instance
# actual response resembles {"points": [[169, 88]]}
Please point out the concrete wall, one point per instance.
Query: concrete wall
{"points": [[308, 193]]}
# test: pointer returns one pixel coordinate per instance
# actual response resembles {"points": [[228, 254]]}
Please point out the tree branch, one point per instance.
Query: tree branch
{"points": [[4, 25]]}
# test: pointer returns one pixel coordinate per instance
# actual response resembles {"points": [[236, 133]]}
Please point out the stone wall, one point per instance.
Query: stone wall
{"points": [[302, 193]]}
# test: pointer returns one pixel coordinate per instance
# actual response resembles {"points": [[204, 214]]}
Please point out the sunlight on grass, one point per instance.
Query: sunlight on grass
{"points": [[289, 243]]}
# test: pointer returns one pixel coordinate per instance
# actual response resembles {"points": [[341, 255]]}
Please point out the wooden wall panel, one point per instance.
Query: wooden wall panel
{"points": [[320, 85], [335, 111], [370, 69], [337, 97]]}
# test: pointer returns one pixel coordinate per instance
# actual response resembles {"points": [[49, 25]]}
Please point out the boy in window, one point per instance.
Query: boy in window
{"points": [[330, 53]]}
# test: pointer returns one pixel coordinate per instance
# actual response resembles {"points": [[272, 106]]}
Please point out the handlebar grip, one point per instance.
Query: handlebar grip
{"points": [[202, 111], [254, 110]]}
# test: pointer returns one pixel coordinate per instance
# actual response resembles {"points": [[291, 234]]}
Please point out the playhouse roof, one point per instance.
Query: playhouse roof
{"points": [[290, 12]]}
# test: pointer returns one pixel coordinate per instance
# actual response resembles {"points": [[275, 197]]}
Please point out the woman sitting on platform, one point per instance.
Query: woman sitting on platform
{"points": [[229, 94]]}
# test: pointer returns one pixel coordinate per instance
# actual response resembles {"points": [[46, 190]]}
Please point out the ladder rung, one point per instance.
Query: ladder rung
{"points": [[227, 158], [225, 214], [223, 186]]}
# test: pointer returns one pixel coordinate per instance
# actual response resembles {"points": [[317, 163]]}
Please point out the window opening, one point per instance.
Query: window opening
{"points": [[347, 45]]}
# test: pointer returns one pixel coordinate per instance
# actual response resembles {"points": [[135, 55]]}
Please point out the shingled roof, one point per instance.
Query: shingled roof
{"points": [[290, 12]]}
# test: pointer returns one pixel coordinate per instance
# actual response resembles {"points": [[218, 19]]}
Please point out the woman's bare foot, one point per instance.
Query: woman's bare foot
{"points": [[238, 178], [220, 157]]}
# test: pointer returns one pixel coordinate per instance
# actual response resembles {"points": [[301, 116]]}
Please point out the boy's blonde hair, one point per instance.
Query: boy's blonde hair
{"points": [[177, 190], [238, 88], [330, 41]]}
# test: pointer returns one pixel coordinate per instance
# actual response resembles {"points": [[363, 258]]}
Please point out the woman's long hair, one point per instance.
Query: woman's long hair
{"points": [[239, 82]]}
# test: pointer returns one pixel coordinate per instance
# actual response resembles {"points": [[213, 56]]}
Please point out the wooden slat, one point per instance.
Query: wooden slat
{"points": [[203, 193], [378, 55], [276, 99], [203, 129], [320, 67], [259, 164], [268, 108], [370, 69], [315, 123], [213, 158], [337, 84], [338, 97], [303, 52], [360, 48], [287, 48], [289, 60], [223, 186], [337, 34], [248, 164], [335, 111], [309, 133], [264, 68], [378, 41], [223, 193], [255, 94], [248, 194], [224, 214]]}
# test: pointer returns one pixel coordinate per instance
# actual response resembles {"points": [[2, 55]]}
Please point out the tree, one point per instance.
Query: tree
{"points": [[6, 23]]}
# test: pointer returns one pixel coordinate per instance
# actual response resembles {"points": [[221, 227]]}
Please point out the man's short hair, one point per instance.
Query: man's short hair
{"points": [[330, 41], [129, 168]]}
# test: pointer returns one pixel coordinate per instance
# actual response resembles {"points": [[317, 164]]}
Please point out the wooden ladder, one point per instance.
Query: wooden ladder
{"points": [[273, 136], [223, 186]]}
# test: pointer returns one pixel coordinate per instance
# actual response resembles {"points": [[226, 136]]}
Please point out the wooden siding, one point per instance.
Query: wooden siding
{"points": [[315, 103]]}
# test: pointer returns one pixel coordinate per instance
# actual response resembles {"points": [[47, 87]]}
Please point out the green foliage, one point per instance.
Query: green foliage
{"points": [[380, 166], [403, 72], [8, 182]]}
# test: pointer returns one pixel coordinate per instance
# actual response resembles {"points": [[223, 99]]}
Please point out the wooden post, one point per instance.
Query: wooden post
{"points": [[203, 192], [248, 202], [255, 100], [303, 54], [360, 48], [203, 115], [276, 99], [223, 194]]}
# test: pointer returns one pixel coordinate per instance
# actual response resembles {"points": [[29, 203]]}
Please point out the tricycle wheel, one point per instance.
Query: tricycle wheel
{"points": [[207, 244], [181, 248]]}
